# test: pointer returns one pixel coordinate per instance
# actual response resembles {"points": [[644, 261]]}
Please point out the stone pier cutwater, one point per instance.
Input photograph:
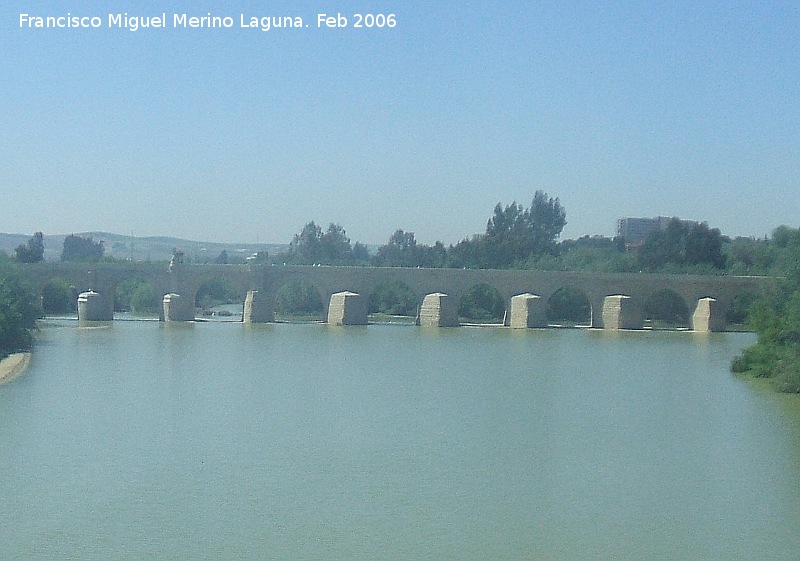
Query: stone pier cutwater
{"points": [[527, 310], [708, 316], [621, 312], [347, 308], [178, 308], [257, 308], [438, 310], [93, 306]]}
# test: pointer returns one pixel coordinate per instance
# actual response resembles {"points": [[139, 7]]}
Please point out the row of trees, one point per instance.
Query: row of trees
{"points": [[515, 236], [313, 246], [76, 248], [520, 237], [776, 320]]}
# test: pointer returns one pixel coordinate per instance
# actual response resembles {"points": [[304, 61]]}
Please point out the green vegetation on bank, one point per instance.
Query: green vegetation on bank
{"points": [[18, 311], [776, 321]]}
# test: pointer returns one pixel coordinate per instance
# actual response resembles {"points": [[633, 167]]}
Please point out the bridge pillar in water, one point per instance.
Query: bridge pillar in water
{"points": [[527, 310], [93, 306], [708, 316], [621, 312], [257, 309], [177, 308], [347, 308], [438, 310]]}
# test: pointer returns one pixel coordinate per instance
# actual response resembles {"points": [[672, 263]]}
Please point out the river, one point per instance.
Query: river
{"points": [[145, 440]]}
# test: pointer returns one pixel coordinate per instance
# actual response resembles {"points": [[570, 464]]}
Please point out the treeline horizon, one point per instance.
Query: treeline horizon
{"points": [[515, 237]]}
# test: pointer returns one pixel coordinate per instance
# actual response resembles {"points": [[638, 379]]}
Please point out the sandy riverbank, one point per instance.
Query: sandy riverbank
{"points": [[13, 365]]}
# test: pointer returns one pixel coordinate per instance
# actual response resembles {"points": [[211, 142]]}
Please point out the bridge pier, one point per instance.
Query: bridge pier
{"points": [[527, 310], [621, 312], [438, 310], [708, 316], [257, 308], [347, 308], [93, 306], [177, 308]]}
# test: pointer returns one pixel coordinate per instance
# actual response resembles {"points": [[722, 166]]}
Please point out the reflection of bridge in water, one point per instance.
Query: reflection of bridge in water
{"points": [[616, 300]]}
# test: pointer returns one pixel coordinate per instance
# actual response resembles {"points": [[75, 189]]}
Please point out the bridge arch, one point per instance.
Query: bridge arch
{"points": [[666, 308], [393, 298], [137, 296], [217, 291], [569, 305], [298, 299], [482, 303], [58, 296]]}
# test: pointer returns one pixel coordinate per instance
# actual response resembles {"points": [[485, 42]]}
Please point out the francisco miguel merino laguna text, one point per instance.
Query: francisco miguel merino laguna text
{"points": [[134, 23]]}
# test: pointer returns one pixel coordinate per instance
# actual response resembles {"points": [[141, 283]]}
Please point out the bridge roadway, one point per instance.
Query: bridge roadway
{"points": [[262, 282]]}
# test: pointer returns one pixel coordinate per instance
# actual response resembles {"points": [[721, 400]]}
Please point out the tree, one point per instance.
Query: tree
{"points": [[401, 251], [787, 243], [360, 253], [749, 256], [18, 312], [683, 244], [311, 246], [468, 253], [546, 218], [305, 247], [33, 252], [81, 249], [515, 234], [335, 246]]}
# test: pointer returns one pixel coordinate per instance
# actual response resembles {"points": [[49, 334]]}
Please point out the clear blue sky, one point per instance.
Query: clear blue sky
{"points": [[687, 109]]}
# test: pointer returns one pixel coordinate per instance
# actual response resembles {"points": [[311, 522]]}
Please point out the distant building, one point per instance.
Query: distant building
{"points": [[634, 230]]}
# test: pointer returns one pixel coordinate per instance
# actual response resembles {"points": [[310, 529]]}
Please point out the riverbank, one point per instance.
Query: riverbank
{"points": [[13, 365]]}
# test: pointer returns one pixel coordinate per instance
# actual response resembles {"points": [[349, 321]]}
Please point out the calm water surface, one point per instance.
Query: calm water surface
{"points": [[304, 442]]}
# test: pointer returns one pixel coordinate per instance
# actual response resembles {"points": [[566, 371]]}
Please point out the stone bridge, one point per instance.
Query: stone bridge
{"points": [[616, 300]]}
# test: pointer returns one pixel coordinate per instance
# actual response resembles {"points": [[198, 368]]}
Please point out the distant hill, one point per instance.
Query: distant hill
{"points": [[157, 248]]}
